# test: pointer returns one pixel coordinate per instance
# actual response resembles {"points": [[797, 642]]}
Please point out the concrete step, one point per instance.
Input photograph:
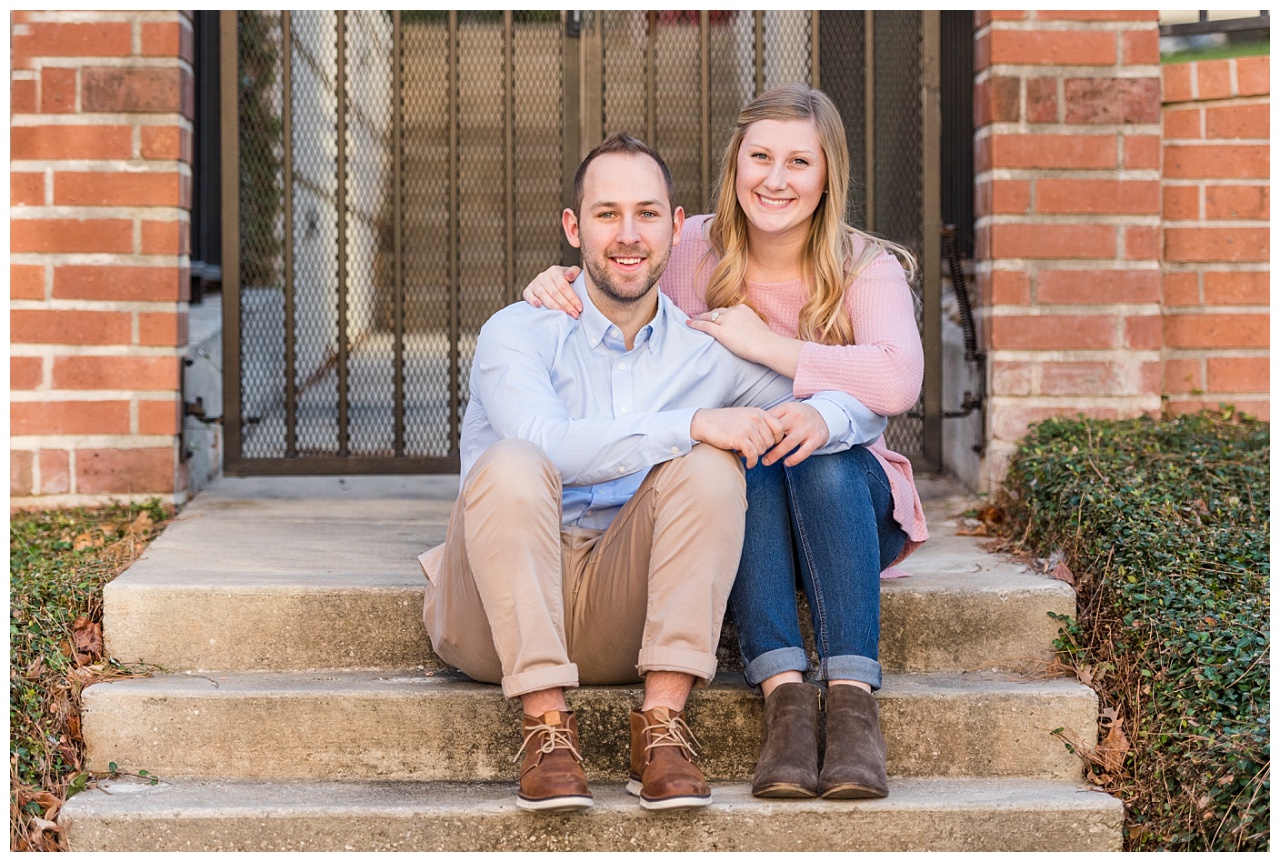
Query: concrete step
{"points": [[306, 572], [419, 725], [918, 815]]}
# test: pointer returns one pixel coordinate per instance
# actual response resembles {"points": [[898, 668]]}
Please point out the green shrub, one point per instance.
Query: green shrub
{"points": [[1166, 525]]}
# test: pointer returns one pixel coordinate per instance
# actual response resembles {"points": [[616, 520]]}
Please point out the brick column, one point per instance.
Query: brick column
{"points": [[1067, 207], [1217, 236], [100, 171]]}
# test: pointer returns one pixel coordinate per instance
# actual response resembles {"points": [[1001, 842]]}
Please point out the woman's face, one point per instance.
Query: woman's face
{"points": [[781, 175]]}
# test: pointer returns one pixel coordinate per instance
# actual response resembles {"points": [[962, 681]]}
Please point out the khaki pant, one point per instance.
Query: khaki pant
{"points": [[513, 598]]}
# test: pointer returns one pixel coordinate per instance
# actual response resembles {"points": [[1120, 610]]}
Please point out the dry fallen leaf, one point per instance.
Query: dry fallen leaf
{"points": [[142, 523], [1062, 572], [1113, 748], [1084, 673], [86, 636], [86, 540]]}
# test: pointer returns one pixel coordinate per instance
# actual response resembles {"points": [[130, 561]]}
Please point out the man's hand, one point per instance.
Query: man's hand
{"points": [[804, 431], [749, 431]]}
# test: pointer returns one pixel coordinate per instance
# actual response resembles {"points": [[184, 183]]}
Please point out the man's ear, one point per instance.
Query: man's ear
{"points": [[570, 223], [677, 225]]}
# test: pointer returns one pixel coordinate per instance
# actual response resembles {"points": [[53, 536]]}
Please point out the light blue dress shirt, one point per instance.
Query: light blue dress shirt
{"points": [[605, 415]]}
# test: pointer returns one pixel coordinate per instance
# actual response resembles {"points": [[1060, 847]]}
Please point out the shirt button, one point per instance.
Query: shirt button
{"points": [[624, 409], [675, 450], [622, 366], [622, 469]]}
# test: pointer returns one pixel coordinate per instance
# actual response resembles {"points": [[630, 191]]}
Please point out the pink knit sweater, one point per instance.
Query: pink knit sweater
{"points": [[883, 368]]}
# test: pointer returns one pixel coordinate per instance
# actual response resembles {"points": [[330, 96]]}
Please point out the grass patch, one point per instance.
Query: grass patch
{"points": [[1261, 48], [59, 561], [1165, 527]]}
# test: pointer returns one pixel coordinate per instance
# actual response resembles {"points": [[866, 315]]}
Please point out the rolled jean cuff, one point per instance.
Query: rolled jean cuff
{"points": [[852, 667], [775, 662], [698, 664], [560, 676]]}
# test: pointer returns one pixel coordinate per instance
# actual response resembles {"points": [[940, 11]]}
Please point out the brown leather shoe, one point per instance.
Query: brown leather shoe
{"points": [[551, 776], [663, 773], [853, 766]]}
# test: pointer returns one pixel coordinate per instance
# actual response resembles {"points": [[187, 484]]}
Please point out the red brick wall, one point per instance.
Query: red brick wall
{"points": [[100, 192], [1217, 237], [1068, 208]]}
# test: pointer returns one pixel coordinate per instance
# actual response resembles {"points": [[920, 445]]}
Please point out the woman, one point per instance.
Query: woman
{"points": [[837, 314]]}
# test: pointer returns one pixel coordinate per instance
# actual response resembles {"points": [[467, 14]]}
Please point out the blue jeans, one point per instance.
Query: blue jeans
{"points": [[828, 520]]}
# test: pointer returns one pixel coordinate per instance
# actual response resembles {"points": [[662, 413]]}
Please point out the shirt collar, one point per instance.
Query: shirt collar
{"points": [[597, 327]]}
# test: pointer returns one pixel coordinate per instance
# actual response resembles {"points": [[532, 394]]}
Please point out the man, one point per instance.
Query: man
{"points": [[599, 522]]}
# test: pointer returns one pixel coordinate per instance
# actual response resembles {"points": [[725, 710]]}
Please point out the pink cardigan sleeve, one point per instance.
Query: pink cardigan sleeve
{"points": [[884, 367]]}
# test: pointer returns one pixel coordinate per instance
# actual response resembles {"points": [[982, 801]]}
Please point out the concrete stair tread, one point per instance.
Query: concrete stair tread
{"points": [[919, 814], [322, 572], [405, 725]]}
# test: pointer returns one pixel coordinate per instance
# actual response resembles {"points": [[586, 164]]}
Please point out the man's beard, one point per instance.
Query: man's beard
{"points": [[598, 269]]}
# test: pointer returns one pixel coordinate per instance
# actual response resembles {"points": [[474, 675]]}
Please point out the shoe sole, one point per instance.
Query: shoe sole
{"points": [[783, 790], [555, 803], [635, 788], [854, 791]]}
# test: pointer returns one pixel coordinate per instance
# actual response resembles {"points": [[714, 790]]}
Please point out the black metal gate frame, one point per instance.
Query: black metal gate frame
{"points": [[582, 86]]}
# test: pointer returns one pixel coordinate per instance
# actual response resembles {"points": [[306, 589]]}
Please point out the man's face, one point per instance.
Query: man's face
{"points": [[626, 228]]}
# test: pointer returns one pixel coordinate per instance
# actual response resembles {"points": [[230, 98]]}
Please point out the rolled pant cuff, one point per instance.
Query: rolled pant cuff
{"points": [[853, 667], [698, 664], [775, 662], [562, 676]]}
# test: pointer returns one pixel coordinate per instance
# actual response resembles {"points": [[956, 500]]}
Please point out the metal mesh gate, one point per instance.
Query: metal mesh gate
{"points": [[413, 185]]}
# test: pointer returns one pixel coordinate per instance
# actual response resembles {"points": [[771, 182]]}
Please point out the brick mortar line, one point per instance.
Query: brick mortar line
{"points": [[1207, 223], [1069, 25], [133, 167], [74, 120], [97, 17], [1073, 355], [1049, 219], [1218, 101], [1052, 310], [90, 396], [66, 212], [45, 350], [100, 259], [1216, 267], [1005, 264], [1206, 310], [1129, 175], [1095, 130], [1115, 72], [96, 441], [40, 62], [96, 258], [126, 306]]}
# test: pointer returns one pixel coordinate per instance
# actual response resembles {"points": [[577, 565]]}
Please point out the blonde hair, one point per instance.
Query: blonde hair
{"points": [[829, 262]]}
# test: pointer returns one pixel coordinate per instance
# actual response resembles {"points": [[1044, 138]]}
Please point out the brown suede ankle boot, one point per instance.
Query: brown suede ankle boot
{"points": [[788, 764], [853, 767]]}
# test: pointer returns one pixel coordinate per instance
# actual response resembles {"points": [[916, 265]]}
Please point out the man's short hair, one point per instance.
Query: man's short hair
{"points": [[620, 142]]}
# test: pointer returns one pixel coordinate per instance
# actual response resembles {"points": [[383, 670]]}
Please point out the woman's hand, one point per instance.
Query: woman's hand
{"points": [[742, 331], [803, 432], [553, 288]]}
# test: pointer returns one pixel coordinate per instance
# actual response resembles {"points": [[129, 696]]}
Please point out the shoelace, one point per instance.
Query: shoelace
{"points": [[672, 734], [553, 737]]}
